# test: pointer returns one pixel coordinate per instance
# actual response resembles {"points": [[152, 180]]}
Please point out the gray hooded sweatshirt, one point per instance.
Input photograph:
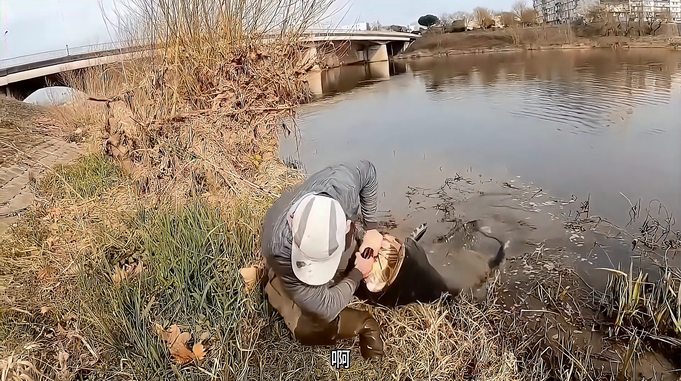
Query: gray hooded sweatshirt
{"points": [[354, 186]]}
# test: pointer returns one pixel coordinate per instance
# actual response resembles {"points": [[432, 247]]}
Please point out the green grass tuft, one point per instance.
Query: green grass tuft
{"points": [[191, 258], [87, 177]]}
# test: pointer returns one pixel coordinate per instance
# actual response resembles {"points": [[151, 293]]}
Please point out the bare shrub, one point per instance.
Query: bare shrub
{"points": [[484, 17], [525, 14], [208, 97], [508, 19]]}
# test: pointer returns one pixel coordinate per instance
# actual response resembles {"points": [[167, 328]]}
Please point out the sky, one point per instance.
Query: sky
{"points": [[35, 26], [404, 12]]}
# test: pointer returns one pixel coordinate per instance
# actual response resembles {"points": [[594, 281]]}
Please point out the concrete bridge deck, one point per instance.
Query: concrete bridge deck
{"points": [[34, 66]]}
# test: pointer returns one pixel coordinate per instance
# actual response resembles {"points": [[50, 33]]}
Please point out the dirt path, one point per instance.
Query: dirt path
{"points": [[27, 150]]}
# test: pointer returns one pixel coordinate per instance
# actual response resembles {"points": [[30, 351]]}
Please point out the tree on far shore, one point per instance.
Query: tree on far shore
{"points": [[508, 19], [428, 20], [525, 14]]}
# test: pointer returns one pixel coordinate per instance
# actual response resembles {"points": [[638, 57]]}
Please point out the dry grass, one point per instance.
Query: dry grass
{"points": [[81, 214], [204, 150], [65, 258], [439, 341], [633, 302], [439, 42], [508, 38], [67, 313]]}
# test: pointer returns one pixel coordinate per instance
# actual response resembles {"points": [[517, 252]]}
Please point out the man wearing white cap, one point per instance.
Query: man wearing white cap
{"points": [[309, 236]]}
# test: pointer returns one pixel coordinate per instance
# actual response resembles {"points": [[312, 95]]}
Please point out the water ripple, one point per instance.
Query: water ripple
{"points": [[590, 102], [587, 92]]}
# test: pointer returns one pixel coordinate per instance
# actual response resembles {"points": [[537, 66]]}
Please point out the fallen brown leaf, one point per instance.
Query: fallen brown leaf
{"points": [[126, 272], [46, 272], [204, 336], [199, 351], [250, 277], [119, 275], [63, 357], [44, 310], [176, 340]]}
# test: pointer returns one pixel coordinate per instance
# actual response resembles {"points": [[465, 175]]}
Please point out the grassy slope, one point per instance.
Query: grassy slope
{"points": [[190, 257]]}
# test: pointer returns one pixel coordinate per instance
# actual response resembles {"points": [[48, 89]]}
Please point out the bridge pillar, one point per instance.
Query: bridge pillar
{"points": [[309, 58], [379, 70], [314, 82], [377, 53], [11, 94]]}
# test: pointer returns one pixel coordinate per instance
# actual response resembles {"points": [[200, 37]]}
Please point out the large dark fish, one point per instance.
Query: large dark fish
{"points": [[417, 280]]}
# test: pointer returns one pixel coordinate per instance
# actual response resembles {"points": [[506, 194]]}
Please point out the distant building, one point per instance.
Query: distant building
{"points": [[561, 11], [354, 27], [564, 11], [669, 10], [415, 28]]}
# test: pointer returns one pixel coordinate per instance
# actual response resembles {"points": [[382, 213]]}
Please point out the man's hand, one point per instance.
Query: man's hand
{"points": [[372, 239], [363, 265]]}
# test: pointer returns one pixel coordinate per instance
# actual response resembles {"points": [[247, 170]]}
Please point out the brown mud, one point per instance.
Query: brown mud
{"points": [[552, 275]]}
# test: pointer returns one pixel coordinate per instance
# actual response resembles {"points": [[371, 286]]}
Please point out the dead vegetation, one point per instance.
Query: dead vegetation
{"points": [[103, 282], [98, 279], [509, 38], [127, 267], [640, 308], [599, 20], [200, 111], [150, 229], [21, 126]]}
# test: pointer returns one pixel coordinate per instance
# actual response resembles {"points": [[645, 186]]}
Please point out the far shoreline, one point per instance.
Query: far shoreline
{"points": [[468, 43]]}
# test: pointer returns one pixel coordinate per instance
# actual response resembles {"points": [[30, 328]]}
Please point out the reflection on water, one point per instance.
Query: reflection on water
{"points": [[592, 123], [345, 78], [575, 122], [586, 90]]}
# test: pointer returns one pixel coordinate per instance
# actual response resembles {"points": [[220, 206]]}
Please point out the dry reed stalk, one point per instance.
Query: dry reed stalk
{"points": [[651, 308]]}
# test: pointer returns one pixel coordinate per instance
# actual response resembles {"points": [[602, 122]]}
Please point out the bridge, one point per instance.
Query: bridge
{"points": [[21, 76]]}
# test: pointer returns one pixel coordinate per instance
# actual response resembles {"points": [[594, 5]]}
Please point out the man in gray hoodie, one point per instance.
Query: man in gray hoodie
{"points": [[309, 236]]}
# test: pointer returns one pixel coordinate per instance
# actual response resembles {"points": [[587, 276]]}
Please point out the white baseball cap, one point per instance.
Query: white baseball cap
{"points": [[318, 227]]}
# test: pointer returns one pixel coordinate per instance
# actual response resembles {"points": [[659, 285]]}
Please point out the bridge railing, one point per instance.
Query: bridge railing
{"points": [[67, 51], [353, 32]]}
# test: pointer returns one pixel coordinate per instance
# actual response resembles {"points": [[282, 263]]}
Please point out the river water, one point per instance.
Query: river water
{"points": [[517, 139]]}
